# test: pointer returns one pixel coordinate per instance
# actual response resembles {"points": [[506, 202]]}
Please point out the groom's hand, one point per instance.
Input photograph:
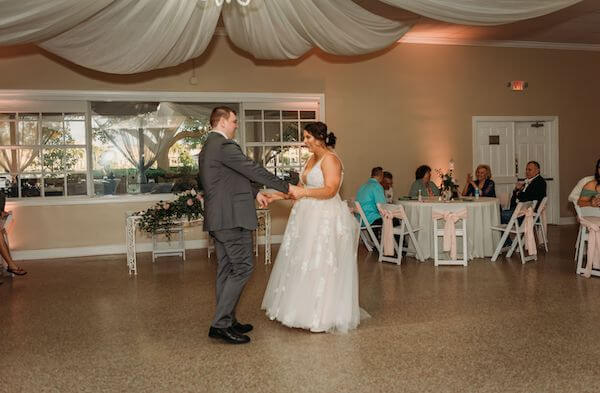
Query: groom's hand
{"points": [[262, 199]]}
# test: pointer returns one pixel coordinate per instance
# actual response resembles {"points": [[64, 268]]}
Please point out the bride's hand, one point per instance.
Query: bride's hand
{"points": [[296, 192]]}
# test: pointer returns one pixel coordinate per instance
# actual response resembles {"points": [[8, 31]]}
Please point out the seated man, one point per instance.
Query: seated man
{"points": [[369, 195], [532, 189], [387, 183]]}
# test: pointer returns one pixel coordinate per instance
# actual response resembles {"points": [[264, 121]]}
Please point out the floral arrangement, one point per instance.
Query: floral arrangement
{"points": [[161, 217], [448, 181], [449, 184]]}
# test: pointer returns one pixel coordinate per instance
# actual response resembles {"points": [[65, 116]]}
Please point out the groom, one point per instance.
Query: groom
{"points": [[230, 216]]}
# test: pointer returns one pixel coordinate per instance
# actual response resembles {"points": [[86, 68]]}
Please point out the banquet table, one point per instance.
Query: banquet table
{"points": [[482, 214]]}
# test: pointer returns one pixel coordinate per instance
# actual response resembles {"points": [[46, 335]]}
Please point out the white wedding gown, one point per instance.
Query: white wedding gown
{"points": [[314, 282]]}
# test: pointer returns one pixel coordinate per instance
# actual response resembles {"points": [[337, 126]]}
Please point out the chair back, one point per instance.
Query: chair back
{"points": [[540, 208], [364, 224], [390, 207], [362, 218], [574, 195], [520, 209], [588, 211]]}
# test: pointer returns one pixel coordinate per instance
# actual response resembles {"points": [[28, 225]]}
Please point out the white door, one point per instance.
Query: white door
{"points": [[508, 144], [494, 144]]}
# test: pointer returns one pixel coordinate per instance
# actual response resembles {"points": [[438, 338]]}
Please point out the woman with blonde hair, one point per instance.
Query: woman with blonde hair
{"points": [[483, 182]]}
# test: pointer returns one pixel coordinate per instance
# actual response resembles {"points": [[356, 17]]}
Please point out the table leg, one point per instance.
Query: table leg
{"points": [[130, 244]]}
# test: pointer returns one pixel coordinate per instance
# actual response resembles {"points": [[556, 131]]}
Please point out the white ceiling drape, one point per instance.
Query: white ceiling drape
{"points": [[25, 21], [134, 36], [286, 29], [481, 12], [130, 36]]}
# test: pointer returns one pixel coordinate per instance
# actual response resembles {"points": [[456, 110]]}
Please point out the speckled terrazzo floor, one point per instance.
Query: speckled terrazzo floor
{"points": [[84, 325]]}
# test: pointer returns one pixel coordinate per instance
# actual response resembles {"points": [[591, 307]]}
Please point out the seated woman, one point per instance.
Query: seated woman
{"points": [[423, 182], [4, 251], [484, 183], [590, 195]]}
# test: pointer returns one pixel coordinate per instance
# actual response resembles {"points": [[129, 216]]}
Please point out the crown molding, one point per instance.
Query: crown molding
{"points": [[412, 39]]}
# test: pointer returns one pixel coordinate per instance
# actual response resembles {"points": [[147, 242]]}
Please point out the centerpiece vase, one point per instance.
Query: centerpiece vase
{"points": [[447, 195]]}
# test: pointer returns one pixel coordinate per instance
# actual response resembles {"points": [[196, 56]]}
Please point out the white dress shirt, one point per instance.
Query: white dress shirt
{"points": [[220, 132], [527, 182]]}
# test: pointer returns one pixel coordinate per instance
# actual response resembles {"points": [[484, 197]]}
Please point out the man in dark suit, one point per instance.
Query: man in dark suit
{"points": [[230, 216], [532, 189]]}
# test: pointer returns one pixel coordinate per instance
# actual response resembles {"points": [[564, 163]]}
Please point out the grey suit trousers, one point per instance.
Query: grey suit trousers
{"points": [[235, 262]]}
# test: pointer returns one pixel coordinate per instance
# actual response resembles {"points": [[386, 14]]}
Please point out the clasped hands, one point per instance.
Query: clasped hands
{"points": [[294, 192]]}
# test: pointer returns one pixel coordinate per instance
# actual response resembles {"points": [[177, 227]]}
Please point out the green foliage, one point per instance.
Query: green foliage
{"points": [[163, 215], [59, 160], [155, 173]]}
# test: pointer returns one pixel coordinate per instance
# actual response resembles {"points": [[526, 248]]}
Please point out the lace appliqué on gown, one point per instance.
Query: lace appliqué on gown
{"points": [[314, 282]]}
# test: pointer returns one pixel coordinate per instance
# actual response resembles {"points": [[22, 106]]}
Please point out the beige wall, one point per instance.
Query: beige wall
{"points": [[399, 108]]}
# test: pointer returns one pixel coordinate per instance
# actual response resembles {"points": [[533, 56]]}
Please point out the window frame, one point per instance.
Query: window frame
{"points": [[68, 101]]}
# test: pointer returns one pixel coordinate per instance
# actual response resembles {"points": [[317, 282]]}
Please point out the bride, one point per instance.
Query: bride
{"points": [[314, 282]]}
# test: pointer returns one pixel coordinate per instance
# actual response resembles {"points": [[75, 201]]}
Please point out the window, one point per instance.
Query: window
{"points": [[273, 138], [43, 154], [74, 144], [147, 147]]}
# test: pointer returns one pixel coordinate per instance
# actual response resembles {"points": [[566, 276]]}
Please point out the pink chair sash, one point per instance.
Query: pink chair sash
{"points": [[528, 226], [593, 251], [387, 230], [449, 227]]}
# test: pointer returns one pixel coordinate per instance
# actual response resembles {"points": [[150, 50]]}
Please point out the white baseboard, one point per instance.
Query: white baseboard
{"points": [[567, 220], [111, 249]]}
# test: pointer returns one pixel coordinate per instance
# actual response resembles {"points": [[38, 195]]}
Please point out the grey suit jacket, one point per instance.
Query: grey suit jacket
{"points": [[226, 175]]}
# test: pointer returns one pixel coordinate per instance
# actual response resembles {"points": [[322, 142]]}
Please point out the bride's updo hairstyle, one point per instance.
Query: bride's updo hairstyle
{"points": [[319, 131]]}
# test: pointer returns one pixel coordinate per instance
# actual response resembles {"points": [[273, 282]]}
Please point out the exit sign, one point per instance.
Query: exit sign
{"points": [[517, 85]]}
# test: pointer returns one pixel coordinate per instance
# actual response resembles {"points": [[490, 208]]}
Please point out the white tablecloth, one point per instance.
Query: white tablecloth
{"points": [[481, 215]]}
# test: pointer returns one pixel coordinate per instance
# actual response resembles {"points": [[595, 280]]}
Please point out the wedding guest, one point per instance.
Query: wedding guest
{"points": [[590, 195], [483, 183], [532, 189], [423, 183], [12, 267], [370, 194], [387, 183]]}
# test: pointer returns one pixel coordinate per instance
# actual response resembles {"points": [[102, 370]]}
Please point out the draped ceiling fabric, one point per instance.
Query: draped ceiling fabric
{"points": [[130, 36], [481, 12], [286, 29]]}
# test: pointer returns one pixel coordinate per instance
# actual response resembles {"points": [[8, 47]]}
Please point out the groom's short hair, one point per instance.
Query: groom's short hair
{"points": [[218, 113]]}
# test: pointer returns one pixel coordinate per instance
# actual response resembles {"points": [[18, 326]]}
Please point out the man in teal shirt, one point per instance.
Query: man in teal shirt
{"points": [[369, 195]]}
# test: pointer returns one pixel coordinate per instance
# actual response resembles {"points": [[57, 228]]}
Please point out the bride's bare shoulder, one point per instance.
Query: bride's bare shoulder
{"points": [[332, 160]]}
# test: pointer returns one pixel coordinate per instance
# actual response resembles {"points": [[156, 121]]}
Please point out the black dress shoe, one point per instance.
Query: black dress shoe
{"points": [[228, 335], [242, 328]]}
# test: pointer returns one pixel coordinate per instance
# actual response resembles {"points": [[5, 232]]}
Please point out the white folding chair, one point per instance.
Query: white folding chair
{"points": [[583, 238], [369, 239], [516, 229], [460, 231], [573, 198], [405, 228], [539, 223]]}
